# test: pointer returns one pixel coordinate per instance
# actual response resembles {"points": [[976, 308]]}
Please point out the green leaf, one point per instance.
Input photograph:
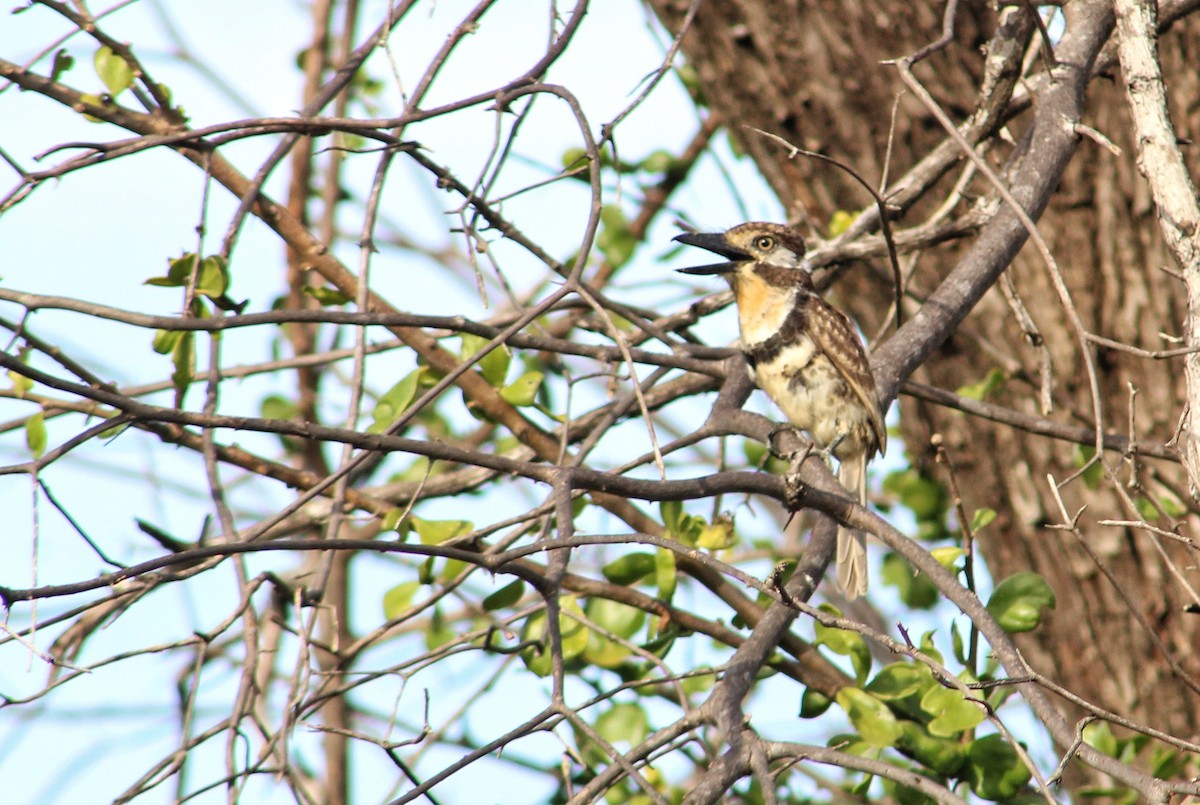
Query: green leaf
{"points": [[952, 713], [506, 596], [943, 756], [840, 221], [629, 569], [665, 574], [980, 390], [573, 158], [328, 297], [717, 535], [394, 402], [671, 511], [35, 434], [1099, 736], [391, 521], [435, 532], [947, 556], [613, 616], [813, 703], [276, 406], [994, 770], [615, 240], [213, 281], [522, 391], [659, 161], [92, 100], [439, 632], [114, 71], [184, 360], [981, 519], [623, 722], [916, 590], [494, 365], [846, 643], [871, 717], [1093, 476], [21, 385], [1018, 601], [925, 497], [399, 598], [165, 341], [898, 681]]}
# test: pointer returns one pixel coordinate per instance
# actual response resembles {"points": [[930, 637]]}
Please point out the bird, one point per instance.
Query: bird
{"points": [[807, 356]]}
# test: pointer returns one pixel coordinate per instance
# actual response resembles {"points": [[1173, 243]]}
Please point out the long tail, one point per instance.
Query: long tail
{"points": [[852, 543]]}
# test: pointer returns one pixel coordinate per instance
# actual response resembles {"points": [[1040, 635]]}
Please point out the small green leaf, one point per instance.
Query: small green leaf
{"points": [[813, 703], [439, 632], [717, 535], [435, 532], [846, 643], [629, 569], [994, 770], [35, 434], [184, 360], [1093, 476], [399, 598], [615, 239], [213, 281], [981, 519], [165, 341], [328, 297], [1099, 736], [21, 385], [573, 158], [494, 365], [114, 71], [391, 520], [947, 556], [916, 590], [92, 100], [522, 391], [1018, 601], [874, 721], [898, 681], [659, 161], [665, 574], [952, 714], [840, 221], [939, 754], [980, 390], [671, 511], [394, 402], [276, 406], [623, 722], [506, 596]]}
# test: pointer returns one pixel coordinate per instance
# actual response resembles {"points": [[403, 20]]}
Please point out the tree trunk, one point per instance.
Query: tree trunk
{"points": [[811, 74]]}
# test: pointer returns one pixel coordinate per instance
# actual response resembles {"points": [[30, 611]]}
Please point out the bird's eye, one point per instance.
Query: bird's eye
{"points": [[764, 242]]}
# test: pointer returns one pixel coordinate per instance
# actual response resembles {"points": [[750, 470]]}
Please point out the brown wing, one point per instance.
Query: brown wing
{"points": [[834, 334]]}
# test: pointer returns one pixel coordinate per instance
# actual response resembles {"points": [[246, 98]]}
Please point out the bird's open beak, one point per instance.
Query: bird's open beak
{"points": [[714, 242]]}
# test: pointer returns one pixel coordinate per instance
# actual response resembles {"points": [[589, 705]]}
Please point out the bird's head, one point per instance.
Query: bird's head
{"points": [[748, 245]]}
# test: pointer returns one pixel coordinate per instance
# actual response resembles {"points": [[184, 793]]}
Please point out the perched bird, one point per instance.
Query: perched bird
{"points": [[805, 354]]}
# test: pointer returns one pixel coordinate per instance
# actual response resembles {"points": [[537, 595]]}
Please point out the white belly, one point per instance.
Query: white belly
{"points": [[815, 398]]}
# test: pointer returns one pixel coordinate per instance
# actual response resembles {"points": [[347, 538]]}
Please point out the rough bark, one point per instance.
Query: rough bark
{"points": [[810, 72]]}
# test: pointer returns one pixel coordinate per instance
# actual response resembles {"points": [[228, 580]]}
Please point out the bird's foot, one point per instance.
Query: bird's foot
{"points": [[827, 451], [793, 485]]}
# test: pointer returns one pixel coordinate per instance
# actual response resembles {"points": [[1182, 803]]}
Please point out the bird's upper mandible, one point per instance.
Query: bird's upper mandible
{"points": [[758, 242]]}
